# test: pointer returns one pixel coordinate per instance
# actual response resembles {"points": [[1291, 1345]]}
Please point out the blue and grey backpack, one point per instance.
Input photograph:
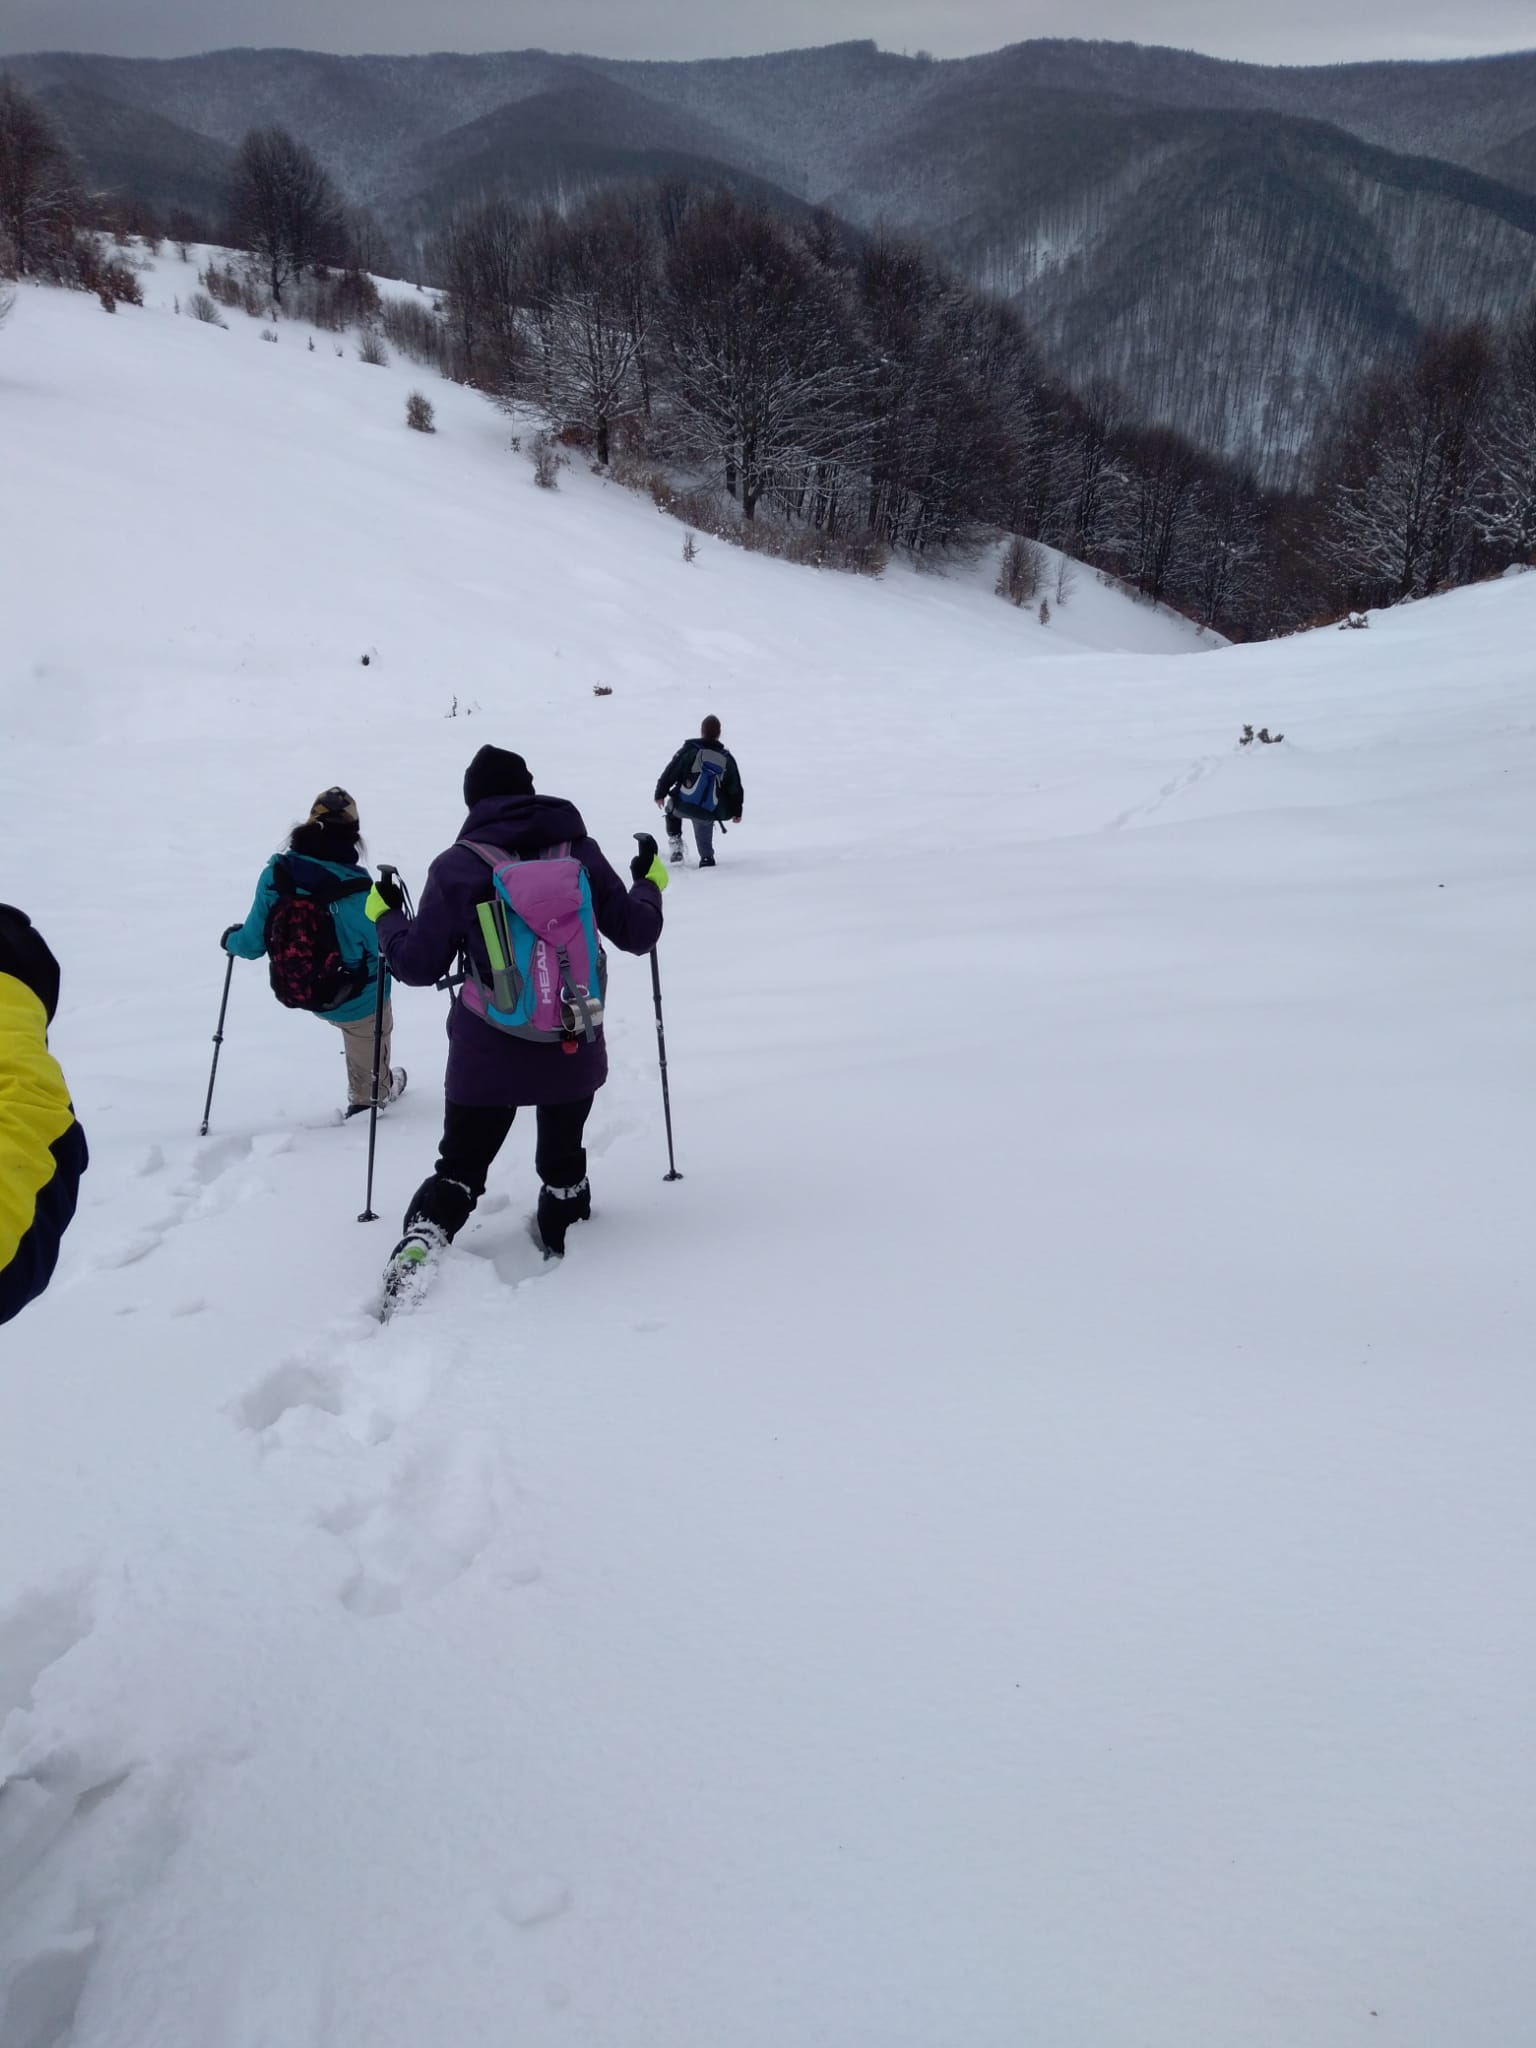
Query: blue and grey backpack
{"points": [[708, 772]]}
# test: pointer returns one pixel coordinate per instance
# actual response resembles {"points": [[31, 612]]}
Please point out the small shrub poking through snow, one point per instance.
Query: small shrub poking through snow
{"points": [[412, 330], [201, 307], [1018, 573], [372, 350], [268, 334], [546, 458], [418, 414], [690, 547]]}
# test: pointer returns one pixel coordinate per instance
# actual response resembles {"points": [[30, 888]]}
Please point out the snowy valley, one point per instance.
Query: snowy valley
{"points": [[1027, 1541]]}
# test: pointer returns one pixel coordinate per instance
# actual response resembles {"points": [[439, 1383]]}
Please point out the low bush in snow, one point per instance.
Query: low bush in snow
{"points": [[112, 280], [1020, 571], [419, 414], [412, 330], [547, 462], [858, 554], [241, 294]]}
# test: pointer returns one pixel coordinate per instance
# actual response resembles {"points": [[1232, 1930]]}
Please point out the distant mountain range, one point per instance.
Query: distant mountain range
{"points": [[1226, 241]]}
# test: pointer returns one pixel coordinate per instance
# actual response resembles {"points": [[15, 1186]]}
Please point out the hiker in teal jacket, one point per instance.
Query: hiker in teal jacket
{"points": [[321, 854]]}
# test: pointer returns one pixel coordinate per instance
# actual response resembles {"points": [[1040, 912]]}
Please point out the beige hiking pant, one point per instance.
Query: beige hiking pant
{"points": [[358, 1046]]}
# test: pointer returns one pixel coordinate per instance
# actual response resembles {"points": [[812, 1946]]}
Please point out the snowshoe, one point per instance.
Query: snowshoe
{"points": [[396, 1090], [410, 1268]]}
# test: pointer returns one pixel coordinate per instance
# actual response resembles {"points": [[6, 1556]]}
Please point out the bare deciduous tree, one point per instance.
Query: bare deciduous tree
{"points": [[1163, 473], [284, 209], [759, 384], [40, 197], [480, 262], [1508, 511], [1406, 479], [592, 315]]}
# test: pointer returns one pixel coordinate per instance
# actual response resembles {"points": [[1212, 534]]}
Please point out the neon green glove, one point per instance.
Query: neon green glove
{"points": [[378, 903], [646, 865]]}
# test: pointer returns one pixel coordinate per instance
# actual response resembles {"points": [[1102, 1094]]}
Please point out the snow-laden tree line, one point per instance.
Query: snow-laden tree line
{"points": [[850, 386], [855, 387], [1429, 479], [823, 384]]}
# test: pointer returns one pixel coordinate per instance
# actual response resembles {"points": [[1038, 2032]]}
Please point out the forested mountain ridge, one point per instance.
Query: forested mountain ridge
{"points": [[1222, 240]]}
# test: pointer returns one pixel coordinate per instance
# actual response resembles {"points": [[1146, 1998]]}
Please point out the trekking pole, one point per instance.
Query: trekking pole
{"points": [[218, 1040], [369, 1215], [661, 1047]]}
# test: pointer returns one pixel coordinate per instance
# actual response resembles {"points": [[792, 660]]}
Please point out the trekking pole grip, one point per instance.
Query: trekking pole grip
{"points": [[661, 1049]]}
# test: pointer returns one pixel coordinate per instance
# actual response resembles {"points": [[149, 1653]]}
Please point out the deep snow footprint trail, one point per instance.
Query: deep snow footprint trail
{"points": [[1198, 771], [412, 1497], [85, 1820], [361, 1424]]}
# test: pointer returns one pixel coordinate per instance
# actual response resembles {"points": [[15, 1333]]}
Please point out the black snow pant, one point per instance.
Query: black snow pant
{"points": [[472, 1136]]}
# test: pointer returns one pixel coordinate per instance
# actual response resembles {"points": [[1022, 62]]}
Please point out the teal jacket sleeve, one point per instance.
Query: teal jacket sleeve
{"points": [[356, 933], [250, 942]]}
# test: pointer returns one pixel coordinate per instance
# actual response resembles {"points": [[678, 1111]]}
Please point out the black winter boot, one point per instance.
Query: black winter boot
{"points": [[559, 1208]]}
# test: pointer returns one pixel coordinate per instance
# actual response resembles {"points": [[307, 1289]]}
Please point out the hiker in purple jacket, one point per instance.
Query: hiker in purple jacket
{"points": [[491, 1075]]}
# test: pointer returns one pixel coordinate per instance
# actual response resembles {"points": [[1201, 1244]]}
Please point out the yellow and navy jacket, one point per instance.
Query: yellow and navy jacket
{"points": [[42, 1150]]}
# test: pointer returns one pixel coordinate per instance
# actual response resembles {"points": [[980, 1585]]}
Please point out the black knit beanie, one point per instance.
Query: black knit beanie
{"points": [[495, 772]]}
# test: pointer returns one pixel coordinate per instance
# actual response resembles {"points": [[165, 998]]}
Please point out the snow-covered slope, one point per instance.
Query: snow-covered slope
{"points": [[1027, 1541]]}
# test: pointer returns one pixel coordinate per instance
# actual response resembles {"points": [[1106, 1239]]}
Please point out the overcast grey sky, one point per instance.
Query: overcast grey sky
{"points": [[1296, 32]]}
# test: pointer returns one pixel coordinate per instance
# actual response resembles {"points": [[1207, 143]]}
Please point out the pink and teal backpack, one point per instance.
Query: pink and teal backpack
{"points": [[549, 974]]}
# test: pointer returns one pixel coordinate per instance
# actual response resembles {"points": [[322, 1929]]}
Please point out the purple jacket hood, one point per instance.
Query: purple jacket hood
{"points": [[523, 824]]}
